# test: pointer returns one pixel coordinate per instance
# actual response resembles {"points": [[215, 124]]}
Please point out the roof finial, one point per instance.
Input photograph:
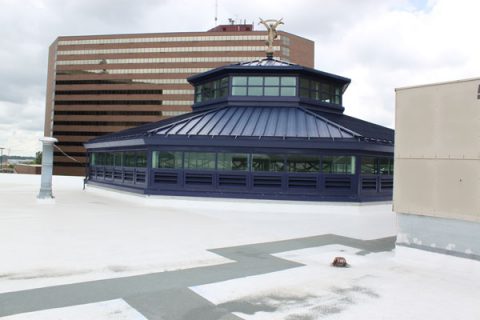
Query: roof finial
{"points": [[271, 25]]}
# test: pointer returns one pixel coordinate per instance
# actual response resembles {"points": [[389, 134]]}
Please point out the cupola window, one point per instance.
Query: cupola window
{"points": [[211, 90], [320, 91], [268, 86]]}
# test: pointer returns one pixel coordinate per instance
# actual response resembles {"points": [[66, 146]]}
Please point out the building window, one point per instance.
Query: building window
{"points": [[268, 162], [369, 166], [108, 159], [96, 92], [300, 163], [255, 86], [166, 49], [264, 86], [107, 102], [167, 160], [129, 159], [320, 91], [117, 159], [272, 86], [338, 164], [102, 159], [233, 161], [166, 39], [199, 160], [372, 165], [141, 159], [94, 159], [286, 51], [385, 166], [211, 90]]}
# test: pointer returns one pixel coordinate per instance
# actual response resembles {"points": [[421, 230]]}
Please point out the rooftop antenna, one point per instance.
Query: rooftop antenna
{"points": [[216, 12], [271, 25]]}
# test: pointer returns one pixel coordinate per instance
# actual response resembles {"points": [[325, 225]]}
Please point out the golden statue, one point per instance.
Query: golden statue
{"points": [[271, 26]]}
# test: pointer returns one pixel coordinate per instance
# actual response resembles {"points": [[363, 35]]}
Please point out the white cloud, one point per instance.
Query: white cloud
{"points": [[380, 45]]}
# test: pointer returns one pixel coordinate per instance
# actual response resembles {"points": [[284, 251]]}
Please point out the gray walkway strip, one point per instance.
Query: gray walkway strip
{"points": [[176, 304], [156, 295]]}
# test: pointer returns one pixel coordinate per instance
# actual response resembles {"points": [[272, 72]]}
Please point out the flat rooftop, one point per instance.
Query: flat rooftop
{"points": [[98, 254]]}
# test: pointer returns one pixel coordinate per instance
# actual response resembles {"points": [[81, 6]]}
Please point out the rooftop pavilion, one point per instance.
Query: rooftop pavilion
{"points": [[259, 129]]}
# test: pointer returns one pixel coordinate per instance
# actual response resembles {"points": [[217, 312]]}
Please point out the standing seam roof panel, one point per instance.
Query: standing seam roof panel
{"points": [[262, 122], [291, 123], [334, 131], [242, 121], [234, 121], [206, 119], [271, 125], [301, 124], [281, 128], [226, 120], [189, 126], [323, 129], [212, 128], [257, 122], [251, 125]]}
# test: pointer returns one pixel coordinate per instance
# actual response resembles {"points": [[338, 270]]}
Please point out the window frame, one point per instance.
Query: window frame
{"points": [[246, 88]]}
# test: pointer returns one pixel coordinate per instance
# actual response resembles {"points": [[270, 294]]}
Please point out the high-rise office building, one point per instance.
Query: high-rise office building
{"points": [[100, 84]]}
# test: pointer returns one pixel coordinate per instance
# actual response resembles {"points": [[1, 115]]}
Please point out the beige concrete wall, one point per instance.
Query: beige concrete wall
{"points": [[437, 150]]}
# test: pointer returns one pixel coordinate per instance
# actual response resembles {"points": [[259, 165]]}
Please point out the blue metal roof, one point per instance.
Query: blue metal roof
{"points": [[370, 132], [265, 63], [277, 122]]}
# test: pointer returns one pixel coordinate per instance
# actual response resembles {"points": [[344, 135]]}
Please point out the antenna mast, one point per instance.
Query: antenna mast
{"points": [[216, 11]]}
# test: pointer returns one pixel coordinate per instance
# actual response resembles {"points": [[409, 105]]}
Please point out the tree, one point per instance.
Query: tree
{"points": [[38, 157]]}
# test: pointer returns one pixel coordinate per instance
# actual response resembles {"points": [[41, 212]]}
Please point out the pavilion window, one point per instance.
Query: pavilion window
{"points": [[288, 86], [272, 86], [302, 163], [129, 159], [264, 86], [369, 165], [141, 159], [167, 160], [117, 159], [239, 86], [100, 159], [93, 159], [255, 86], [385, 166], [108, 161], [199, 160], [233, 161], [211, 90], [338, 164], [268, 162], [320, 91]]}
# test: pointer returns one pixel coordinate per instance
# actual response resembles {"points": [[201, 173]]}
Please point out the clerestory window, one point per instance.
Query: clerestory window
{"points": [[267, 86]]}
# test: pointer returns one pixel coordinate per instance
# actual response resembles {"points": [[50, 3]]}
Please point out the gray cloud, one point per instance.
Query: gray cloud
{"points": [[379, 44]]}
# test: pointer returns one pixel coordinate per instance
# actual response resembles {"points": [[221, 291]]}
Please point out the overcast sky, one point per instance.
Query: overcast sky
{"points": [[380, 45]]}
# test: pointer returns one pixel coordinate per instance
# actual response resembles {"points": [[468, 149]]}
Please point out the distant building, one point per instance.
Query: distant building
{"points": [[263, 129], [437, 166], [28, 168], [99, 84]]}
